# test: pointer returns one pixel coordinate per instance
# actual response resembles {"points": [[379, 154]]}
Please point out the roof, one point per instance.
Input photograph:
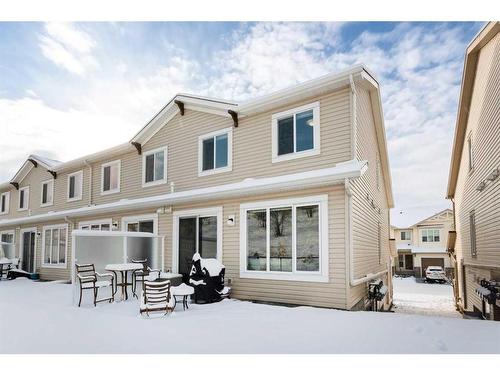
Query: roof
{"points": [[329, 82], [246, 187], [468, 77], [436, 215]]}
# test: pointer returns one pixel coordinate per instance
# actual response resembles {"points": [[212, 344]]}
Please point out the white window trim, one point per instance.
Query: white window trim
{"points": [[132, 219], [59, 265], [76, 197], [7, 203], [201, 212], [26, 198], [109, 221], [427, 229], [229, 167], [11, 231], [21, 244], [165, 162], [52, 195], [322, 275], [301, 154], [111, 163]]}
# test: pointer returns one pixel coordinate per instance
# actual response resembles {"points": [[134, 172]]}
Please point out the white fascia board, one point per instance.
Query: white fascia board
{"points": [[247, 187]]}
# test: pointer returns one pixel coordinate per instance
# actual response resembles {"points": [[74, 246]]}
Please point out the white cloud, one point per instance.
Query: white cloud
{"points": [[68, 47], [419, 70]]}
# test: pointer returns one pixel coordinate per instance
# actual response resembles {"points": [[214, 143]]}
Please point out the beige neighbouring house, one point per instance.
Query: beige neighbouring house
{"points": [[474, 181], [291, 191], [423, 244]]}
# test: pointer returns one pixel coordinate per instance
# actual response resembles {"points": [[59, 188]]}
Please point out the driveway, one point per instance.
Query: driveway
{"points": [[414, 296]]}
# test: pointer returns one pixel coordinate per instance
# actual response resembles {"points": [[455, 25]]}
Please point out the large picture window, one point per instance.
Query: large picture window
{"points": [[55, 246], [215, 152], [154, 167], [296, 132], [285, 239]]}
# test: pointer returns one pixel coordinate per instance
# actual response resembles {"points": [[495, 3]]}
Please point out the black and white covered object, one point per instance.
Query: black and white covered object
{"points": [[207, 279]]}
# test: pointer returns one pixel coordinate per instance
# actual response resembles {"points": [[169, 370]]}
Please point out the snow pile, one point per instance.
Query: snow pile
{"points": [[56, 326]]}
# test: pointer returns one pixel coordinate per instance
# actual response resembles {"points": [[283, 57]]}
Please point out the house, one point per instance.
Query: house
{"points": [[424, 244], [291, 191], [474, 183]]}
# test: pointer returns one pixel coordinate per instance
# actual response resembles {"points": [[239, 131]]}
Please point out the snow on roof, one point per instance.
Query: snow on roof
{"points": [[47, 161], [419, 250]]}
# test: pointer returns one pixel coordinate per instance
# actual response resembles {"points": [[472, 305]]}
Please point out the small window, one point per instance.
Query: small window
{"points": [[470, 153], [75, 186], [215, 152], [405, 236], [24, 198], [154, 167], [54, 246], [104, 225], [472, 223], [430, 235], [4, 202], [110, 177], [47, 193], [296, 133]]}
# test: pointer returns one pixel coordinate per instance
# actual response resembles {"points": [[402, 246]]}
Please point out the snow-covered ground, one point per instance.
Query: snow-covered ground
{"points": [[40, 318], [417, 297]]}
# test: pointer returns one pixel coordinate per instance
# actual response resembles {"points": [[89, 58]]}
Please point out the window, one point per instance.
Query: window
{"points": [[285, 239], [296, 133], [75, 186], [47, 193], [154, 167], [24, 198], [143, 223], [406, 235], [430, 235], [472, 223], [96, 225], [4, 202], [55, 246], [215, 152], [401, 259], [110, 177], [469, 153]]}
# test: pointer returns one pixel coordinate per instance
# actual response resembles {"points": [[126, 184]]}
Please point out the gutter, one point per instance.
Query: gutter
{"points": [[350, 244]]}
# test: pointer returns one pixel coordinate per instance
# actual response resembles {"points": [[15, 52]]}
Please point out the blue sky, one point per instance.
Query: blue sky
{"points": [[99, 83]]}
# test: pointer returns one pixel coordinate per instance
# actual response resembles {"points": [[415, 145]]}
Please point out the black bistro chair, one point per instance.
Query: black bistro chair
{"points": [[88, 279], [142, 275]]}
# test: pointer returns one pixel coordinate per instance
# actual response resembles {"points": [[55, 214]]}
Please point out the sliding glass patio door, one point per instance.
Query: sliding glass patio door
{"points": [[28, 256], [197, 234]]}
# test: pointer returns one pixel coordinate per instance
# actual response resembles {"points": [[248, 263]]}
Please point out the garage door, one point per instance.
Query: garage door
{"points": [[426, 262]]}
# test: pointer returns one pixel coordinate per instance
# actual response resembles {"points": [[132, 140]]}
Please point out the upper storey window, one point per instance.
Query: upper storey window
{"points": [[215, 152], [430, 235], [406, 235], [75, 186], [4, 202], [24, 198], [154, 167], [47, 192], [110, 177], [296, 133]]}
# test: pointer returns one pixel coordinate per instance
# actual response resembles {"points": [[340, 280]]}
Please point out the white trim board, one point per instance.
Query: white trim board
{"points": [[200, 212]]}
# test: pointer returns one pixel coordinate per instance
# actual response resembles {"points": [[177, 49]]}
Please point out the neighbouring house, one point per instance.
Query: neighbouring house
{"points": [[474, 178], [291, 191], [423, 244]]}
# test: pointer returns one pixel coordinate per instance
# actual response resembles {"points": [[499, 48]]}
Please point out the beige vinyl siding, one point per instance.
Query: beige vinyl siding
{"points": [[252, 154], [330, 294], [365, 218], [483, 126]]}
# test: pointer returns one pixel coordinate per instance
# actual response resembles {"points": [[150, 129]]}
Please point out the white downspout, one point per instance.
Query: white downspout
{"points": [[354, 119], [90, 181]]}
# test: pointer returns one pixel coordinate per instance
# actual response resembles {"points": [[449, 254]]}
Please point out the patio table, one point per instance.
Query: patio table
{"points": [[123, 268], [183, 291]]}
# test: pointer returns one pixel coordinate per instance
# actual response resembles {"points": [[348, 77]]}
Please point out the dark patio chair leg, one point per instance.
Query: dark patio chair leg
{"points": [[80, 301], [95, 296]]}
